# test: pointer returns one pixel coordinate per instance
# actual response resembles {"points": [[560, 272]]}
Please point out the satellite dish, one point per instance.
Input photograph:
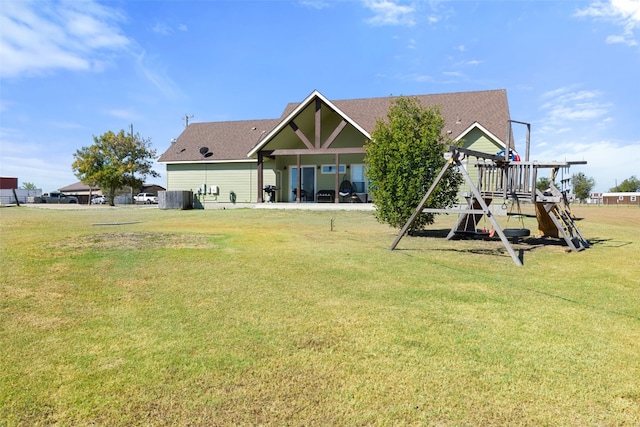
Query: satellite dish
{"points": [[204, 150]]}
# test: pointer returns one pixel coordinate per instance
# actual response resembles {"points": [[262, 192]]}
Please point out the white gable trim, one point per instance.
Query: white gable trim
{"points": [[304, 104], [477, 125]]}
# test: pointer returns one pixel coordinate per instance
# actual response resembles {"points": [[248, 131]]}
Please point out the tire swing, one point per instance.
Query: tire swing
{"points": [[516, 232]]}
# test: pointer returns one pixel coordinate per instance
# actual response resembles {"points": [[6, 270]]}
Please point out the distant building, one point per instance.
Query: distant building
{"points": [[595, 198], [83, 192], [7, 183], [626, 198], [11, 194]]}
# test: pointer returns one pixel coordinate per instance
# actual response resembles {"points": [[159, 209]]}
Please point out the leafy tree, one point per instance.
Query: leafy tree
{"points": [[115, 161], [543, 183], [582, 185], [403, 157], [629, 185], [29, 186]]}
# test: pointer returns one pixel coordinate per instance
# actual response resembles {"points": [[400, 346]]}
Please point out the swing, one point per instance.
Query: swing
{"points": [[516, 232], [469, 226]]}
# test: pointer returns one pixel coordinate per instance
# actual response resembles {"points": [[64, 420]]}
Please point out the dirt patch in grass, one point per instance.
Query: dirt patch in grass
{"points": [[141, 240]]}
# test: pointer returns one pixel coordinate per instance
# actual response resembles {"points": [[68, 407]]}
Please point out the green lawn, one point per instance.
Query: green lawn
{"points": [[136, 316]]}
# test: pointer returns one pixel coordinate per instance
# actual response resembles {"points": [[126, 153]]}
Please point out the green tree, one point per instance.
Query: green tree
{"points": [[29, 186], [403, 157], [582, 186], [629, 185], [543, 183], [115, 161]]}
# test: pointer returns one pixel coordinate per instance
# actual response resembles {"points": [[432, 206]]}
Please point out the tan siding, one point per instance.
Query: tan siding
{"points": [[476, 140], [241, 178]]}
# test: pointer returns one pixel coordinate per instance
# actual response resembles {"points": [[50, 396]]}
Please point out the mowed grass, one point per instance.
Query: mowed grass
{"points": [[123, 316]]}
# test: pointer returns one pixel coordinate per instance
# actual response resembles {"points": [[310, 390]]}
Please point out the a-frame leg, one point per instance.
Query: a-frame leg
{"points": [[487, 212], [423, 202], [476, 193]]}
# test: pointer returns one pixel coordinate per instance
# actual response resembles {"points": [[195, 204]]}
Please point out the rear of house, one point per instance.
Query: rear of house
{"points": [[314, 148]]}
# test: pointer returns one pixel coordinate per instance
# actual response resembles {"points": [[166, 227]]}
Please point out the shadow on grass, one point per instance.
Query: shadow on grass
{"points": [[521, 245], [611, 243]]}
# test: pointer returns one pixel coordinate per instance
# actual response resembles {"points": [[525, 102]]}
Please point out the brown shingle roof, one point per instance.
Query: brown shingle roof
{"points": [[233, 140], [460, 110], [78, 186], [224, 140]]}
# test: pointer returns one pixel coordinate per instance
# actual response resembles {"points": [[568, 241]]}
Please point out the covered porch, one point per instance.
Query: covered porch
{"points": [[314, 155], [314, 178]]}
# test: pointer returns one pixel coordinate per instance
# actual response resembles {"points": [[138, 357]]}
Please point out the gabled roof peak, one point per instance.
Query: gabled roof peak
{"points": [[292, 115]]}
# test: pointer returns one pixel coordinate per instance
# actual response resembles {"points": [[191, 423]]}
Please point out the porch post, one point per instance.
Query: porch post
{"points": [[299, 179], [337, 184], [260, 177]]}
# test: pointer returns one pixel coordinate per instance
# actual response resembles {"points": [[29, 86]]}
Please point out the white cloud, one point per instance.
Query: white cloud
{"points": [[43, 164], [124, 114], [622, 13], [157, 75], [315, 4], [607, 161], [571, 128], [452, 73], [387, 12], [65, 125], [162, 28], [565, 105], [37, 37], [166, 29]]}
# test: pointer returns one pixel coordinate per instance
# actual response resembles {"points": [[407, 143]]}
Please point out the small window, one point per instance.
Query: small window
{"points": [[332, 169], [633, 198], [621, 198]]}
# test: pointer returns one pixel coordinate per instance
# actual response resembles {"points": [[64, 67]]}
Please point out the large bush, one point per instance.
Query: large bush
{"points": [[403, 157]]}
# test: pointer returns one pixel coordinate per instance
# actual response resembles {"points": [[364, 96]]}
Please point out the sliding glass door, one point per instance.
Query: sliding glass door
{"points": [[308, 185]]}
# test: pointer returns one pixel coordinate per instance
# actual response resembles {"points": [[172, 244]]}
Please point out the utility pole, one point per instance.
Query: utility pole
{"points": [[132, 172]]}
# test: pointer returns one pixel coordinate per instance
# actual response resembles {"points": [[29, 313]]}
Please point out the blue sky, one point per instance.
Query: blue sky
{"points": [[71, 70]]}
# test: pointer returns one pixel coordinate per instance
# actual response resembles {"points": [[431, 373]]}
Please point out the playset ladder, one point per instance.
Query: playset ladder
{"points": [[563, 221]]}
